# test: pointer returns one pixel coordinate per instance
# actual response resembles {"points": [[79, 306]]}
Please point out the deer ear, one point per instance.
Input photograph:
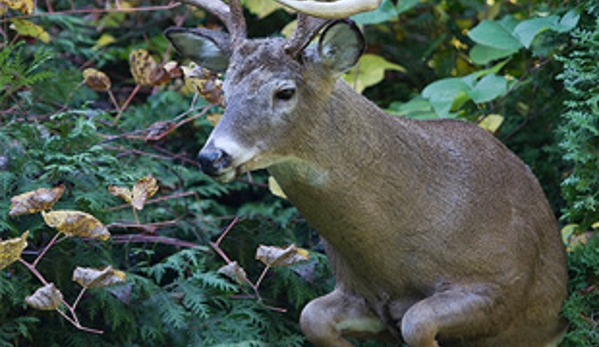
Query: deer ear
{"points": [[340, 46], [208, 48]]}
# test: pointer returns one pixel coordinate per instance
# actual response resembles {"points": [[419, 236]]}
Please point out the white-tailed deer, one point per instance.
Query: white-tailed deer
{"points": [[437, 234]]}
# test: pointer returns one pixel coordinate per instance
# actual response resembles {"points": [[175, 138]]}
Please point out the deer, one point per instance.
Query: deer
{"points": [[436, 233]]}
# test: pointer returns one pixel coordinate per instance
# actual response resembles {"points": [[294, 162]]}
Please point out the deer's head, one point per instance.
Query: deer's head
{"points": [[274, 88]]}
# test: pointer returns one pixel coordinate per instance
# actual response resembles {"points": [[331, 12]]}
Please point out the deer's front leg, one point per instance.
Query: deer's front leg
{"points": [[327, 319], [452, 313]]}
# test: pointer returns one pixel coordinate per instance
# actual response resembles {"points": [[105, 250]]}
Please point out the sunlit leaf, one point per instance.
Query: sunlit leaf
{"points": [[104, 40], [35, 201], [276, 256], [234, 272], [491, 123], [76, 223], [25, 6], [262, 8], [47, 297], [98, 278], [10, 250], [370, 71], [275, 188], [122, 192], [29, 29], [96, 80], [143, 189]]}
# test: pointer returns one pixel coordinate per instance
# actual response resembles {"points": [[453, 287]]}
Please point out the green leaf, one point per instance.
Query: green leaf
{"points": [[527, 30], [370, 71], [406, 5], [496, 34], [488, 88], [482, 55], [442, 94], [383, 13], [416, 108]]}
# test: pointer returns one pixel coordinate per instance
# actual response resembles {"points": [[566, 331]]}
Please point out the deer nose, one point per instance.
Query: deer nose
{"points": [[213, 160]]}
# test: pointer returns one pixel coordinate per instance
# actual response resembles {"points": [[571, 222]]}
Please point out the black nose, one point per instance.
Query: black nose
{"points": [[213, 160]]}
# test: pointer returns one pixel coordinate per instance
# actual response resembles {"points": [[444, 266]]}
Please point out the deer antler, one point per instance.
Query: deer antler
{"points": [[231, 16], [335, 9], [307, 28]]}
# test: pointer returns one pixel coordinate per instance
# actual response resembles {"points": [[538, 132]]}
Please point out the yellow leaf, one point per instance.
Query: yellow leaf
{"points": [[275, 188], [96, 80], [10, 250], [35, 201], [144, 188], [122, 192], [204, 82], [76, 223], [262, 8], [27, 28], [98, 278], [595, 225], [234, 272], [25, 6], [144, 68], [103, 41], [276, 256], [45, 298], [491, 123], [370, 71]]}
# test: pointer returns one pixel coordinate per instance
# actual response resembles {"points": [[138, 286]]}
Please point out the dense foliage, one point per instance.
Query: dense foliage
{"points": [[442, 59]]}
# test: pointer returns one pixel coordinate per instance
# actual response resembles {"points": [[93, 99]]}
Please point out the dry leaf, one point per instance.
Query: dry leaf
{"points": [[204, 82], [98, 278], [234, 272], [96, 80], [25, 6], [10, 250], [276, 256], [76, 223], [275, 188], [122, 192], [35, 201], [27, 28], [144, 188], [146, 71], [45, 298]]}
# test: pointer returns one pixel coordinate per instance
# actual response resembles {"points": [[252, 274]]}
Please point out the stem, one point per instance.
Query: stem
{"points": [[226, 231], [33, 270], [76, 302], [43, 252]]}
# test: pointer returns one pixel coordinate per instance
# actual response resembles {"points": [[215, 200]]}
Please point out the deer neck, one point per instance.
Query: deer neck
{"points": [[337, 175]]}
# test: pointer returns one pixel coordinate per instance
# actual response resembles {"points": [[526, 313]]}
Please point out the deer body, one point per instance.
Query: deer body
{"points": [[437, 234]]}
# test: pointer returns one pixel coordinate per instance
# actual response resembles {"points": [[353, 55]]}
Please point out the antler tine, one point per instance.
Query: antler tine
{"points": [[231, 16], [307, 28]]}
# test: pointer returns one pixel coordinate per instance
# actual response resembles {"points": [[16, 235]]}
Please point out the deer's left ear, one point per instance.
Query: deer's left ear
{"points": [[209, 48], [340, 46]]}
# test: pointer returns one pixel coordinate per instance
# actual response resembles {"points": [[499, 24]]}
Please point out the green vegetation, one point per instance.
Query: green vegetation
{"points": [[526, 70]]}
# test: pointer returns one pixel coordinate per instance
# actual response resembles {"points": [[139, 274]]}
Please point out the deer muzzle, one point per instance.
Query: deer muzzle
{"points": [[216, 163]]}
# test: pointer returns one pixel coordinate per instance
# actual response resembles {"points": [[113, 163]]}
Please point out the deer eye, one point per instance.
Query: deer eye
{"points": [[285, 94]]}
